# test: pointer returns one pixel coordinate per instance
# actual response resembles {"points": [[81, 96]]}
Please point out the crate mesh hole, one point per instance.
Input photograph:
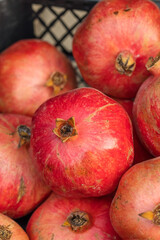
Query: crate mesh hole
{"points": [[58, 30], [38, 28], [67, 43], [58, 10], [47, 16], [48, 38], [69, 19], [36, 7], [79, 13]]}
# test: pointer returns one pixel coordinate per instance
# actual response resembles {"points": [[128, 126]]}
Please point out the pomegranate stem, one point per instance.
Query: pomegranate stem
{"points": [[153, 65], [24, 133], [58, 81], [125, 63]]}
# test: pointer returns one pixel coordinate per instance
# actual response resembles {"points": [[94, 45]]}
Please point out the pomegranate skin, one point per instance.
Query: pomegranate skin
{"points": [[48, 220], [10, 230], [21, 186], [91, 162], [138, 192], [113, 27], [141, 153], [25, 68], [146, 113]]}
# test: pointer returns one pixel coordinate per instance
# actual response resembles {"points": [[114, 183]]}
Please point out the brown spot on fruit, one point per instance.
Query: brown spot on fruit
{"points": [[5, 233], [116, 201], [21, 191], [52, 237], [127, 10], [115, 13]]}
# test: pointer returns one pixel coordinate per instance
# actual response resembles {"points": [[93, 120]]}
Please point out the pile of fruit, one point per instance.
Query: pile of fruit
{"points": [[84, 163]]}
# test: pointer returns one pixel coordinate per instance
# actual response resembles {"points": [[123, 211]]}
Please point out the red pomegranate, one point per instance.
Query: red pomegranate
{"points": [[82, 143], [72, 219], [135, 209], [146, 109], [10, 230], [140, 152], [32, 71], [113, 43], [21, 186]]}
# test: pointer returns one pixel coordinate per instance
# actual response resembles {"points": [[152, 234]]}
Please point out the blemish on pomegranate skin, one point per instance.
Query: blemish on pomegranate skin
{"points": [[116, 202], [130, 152], [99, 180], [52, 237], [115, 13], [63, 189], [98, 236], [5, 233], [48, 168], [127, 10], [22, 190]]}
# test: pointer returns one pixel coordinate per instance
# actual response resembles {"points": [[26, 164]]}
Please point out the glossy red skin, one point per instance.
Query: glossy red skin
{"points": [[25, 68], [92, 162], [141, 153], [146, 113], [17, 232], [48, 219], [138, 192], [104, 34], [17, 167]]}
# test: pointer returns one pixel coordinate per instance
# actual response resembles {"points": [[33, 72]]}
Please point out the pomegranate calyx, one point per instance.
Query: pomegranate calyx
{"points": [[153, 64], [24, 133], [57, 80], [5, 233], [65, 128], [147, 215], [125, 63], [77, 221], [153, 216]]}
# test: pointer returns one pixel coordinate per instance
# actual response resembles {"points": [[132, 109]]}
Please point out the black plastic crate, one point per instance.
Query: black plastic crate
{"points": [[18, 18]]}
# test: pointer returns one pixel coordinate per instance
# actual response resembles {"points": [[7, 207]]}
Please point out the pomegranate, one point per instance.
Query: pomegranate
{"points": [[146, 108], [82, 143], [21, 186], [113, 43], [135, 209], [32, 71], [10, 230], [140, 152], [61, 218]]}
